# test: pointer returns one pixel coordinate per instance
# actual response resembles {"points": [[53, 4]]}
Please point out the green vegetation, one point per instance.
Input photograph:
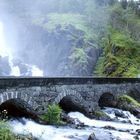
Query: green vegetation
{"points": [[62, 21], [121, 45], [129, 100], [55, 19], [53, 115], [121, 56], [5, 132], [79, 57]]}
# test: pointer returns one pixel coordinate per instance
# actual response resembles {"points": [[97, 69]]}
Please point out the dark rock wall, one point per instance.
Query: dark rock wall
{"points": [[52, 51]]}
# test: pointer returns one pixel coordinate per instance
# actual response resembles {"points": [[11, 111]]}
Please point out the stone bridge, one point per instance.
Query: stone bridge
{"points": [[85, 94]]}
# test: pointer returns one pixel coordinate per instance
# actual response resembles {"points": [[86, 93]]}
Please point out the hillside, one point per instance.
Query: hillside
{"points": [[74, 37]]}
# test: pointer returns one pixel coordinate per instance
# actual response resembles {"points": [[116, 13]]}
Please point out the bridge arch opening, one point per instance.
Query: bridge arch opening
{"points": [[17, 108], [107, 100], [70, 104]]}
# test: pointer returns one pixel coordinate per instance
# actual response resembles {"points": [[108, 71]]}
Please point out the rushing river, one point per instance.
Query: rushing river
{"points": [[123, 130]]}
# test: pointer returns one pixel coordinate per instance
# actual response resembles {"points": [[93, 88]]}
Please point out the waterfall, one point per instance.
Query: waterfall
{"points": [[3, 48], [31, 70]]}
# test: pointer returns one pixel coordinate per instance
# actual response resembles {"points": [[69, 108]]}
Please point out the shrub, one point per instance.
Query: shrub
{"points": [[5, 132], [53, 114]]}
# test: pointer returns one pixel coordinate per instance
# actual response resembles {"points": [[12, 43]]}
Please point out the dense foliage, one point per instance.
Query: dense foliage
{"points": [[121, 45]]}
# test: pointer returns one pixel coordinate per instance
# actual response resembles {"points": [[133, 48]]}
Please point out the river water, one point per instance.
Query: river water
{"points": [[123, 129]]}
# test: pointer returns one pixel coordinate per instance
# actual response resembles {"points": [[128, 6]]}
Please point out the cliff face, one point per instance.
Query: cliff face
{"points": [[59, 49]]}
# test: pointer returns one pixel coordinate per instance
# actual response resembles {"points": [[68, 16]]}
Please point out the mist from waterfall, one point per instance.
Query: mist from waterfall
{"points": [[5, 52]]}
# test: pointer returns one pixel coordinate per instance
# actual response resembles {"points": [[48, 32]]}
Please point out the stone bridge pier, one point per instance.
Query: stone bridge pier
{"points": [[72, 94]]}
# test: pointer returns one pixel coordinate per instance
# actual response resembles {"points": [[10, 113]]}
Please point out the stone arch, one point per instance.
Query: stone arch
{"points": [[5, 96], [17, 107], [107, 99], [70, 100], [65, 93]]}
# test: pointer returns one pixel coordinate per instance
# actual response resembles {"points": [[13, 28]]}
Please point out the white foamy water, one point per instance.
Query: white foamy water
{"points": [[36, 71], [98, 123], [48, 132], [127, 116], [15, 70], [3, 49], [44, 132]]}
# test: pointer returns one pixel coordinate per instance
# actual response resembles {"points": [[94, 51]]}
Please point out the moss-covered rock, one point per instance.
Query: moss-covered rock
{"points": [[129, 100], [127, 103], [100, 115]]}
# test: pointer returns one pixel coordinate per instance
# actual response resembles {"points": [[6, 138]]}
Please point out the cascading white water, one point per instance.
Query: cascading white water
{"points": [[3, 48], [66, 133], [127, 116], [99, 123], [5, 51], [43, 132]]}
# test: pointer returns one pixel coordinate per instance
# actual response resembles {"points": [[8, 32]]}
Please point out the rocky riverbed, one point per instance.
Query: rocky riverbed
{"points": [[122, 127]]}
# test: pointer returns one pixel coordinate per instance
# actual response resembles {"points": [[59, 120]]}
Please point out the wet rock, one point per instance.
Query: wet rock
{"points": [[124, 105], [120, 114], [99, 115], [26, 137], [118, 138], [74, 123], [109, 127], [67, 119], [121, 130], [138, 131], [92, 137], [138, 116], [136, 137]]}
